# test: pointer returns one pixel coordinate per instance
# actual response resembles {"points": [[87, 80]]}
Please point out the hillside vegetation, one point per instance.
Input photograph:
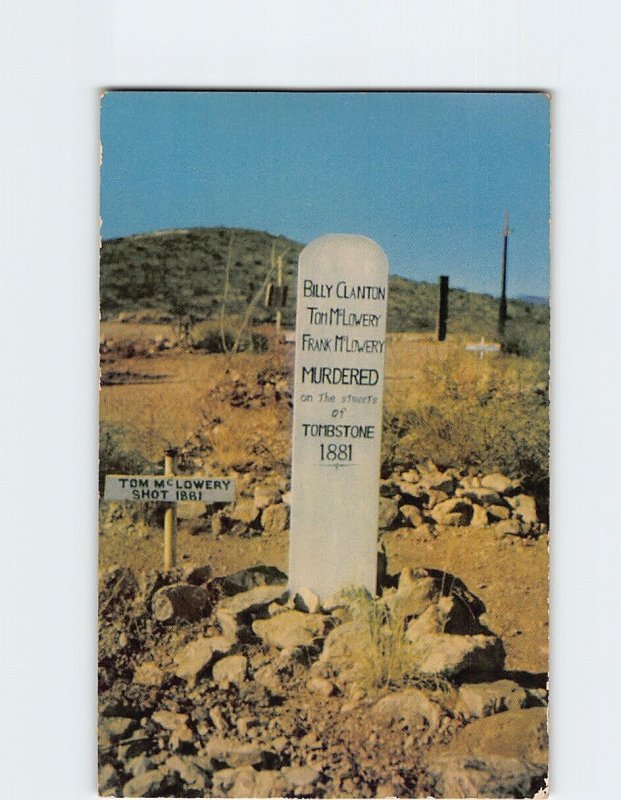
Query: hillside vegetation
{"points": [[167, 274]]}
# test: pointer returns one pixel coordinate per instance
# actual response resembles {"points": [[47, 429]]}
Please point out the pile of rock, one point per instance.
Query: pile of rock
{"points": [[112, 349], [205, 680], [271, 386], [265, 510], [426, 495]]}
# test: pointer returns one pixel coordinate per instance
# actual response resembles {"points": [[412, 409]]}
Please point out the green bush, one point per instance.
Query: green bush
{"points": [[116, 457], [527, 340]]}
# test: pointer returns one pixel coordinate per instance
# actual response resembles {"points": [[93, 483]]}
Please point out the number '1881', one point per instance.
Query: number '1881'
{"points": [[336, 452]]}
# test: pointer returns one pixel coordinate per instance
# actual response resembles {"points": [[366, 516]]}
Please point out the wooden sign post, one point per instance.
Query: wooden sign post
{"points": [[170, 517], [337, 414], [169, 489]]}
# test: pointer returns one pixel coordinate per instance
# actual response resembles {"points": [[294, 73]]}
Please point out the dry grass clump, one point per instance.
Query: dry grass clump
{"points": [[380, 657]]}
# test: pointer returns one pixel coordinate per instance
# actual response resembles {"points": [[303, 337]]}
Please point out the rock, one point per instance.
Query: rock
{"points": [[180, 601], [413, 493], [197, 656], [508, 527], [411, 476], [117, 728], [268, 783], [496, 513], [504, 755], [154, 579], [307, 600], [245, 782], [190, 509], [218, 719], [222, 780], [199, 575], [220, 523], [108, 779], [149, 784], [245, 579], [412, 514], [525, 508], [499, 483], [139, 765], [456, 511], [451, 654], [244, 511], [268, 677], [476, 700], [321, 686], [415, 591], [434, 497], [388, 489], [275, 519], [485, 497], [248, 782], [433, 619], [300, 780], [230, 670], [409, 706], [265, 495], [479, 517], [235, 612], [189, 772], [440, 481], [137, 745], [290, 629], [177, 724], [232, 752], [388, 512], [148, 674], [169, 719]]}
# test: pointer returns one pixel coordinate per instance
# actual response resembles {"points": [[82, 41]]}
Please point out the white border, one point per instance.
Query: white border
{"points": [[54, 57]]}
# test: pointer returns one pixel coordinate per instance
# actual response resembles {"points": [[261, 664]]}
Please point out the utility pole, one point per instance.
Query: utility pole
{"points": [[502, 309]]}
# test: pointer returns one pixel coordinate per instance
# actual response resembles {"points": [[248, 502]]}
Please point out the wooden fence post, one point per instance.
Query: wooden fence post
{"points": [[443, 307]]}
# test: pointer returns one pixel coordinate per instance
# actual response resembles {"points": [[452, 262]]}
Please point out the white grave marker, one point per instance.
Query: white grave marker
{"points": [[483, 347], [337, 414]]}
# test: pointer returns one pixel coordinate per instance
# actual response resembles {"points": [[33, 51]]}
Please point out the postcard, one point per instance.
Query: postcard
{"points": [[324, 444]]}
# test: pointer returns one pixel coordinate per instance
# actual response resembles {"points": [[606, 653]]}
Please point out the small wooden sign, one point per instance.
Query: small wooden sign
{"points": [[174, 489]]}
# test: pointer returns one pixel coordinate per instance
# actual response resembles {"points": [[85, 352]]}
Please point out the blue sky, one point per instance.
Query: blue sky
{"points": [[428, 176]]}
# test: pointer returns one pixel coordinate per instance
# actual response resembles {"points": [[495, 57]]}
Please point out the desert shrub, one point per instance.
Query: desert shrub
{"points": [[207, 337], [475, 416], [527, 340], [116, 456], [209, 340]]}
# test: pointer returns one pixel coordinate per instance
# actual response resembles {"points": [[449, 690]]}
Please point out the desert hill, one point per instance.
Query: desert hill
{"points": [[173, 272]]}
